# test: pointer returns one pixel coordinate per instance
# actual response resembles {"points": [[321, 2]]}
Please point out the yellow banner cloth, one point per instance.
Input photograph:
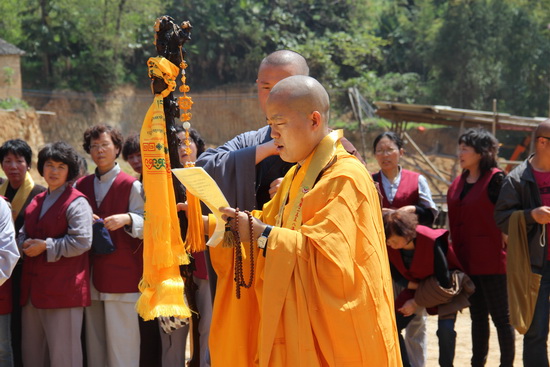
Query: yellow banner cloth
{"points": [[21, 195], [163, 251]]}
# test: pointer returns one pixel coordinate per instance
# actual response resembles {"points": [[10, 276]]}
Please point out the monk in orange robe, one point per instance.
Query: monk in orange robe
{"points": [[323, 293]]}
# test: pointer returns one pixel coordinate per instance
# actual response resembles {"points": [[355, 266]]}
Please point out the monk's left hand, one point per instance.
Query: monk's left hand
{"points": [[114, 222], [408, 308], [244, 227], [274, 187], [33, 247]]}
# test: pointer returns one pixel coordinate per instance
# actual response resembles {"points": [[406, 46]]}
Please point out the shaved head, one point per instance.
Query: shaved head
{"points": [[287, 58], [303, 93], [543, 129]]}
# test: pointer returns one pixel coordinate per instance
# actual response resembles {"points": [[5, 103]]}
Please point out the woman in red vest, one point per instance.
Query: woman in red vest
{"points": [[408, 191], [420, 257], [19, 189], [479, 244], [112, 326], [401, 188], [55, 285]]}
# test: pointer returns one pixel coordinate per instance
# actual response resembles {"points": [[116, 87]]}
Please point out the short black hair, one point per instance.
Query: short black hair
{"points": [[390, 135], [484, 143], [17, 147], [196, 137], [131, 146], [60, 152]]}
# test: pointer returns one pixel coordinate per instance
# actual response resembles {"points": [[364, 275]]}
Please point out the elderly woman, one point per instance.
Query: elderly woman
{"points": [[405, 190], [479, 243], [55, 285], [421, 260]]}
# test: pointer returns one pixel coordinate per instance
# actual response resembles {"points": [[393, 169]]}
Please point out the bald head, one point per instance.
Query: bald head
{"points": [[543, 129], [303, 93], [288, 59], [297, 111]]}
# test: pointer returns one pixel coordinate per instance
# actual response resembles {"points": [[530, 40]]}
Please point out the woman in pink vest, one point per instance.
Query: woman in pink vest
{"points": [[55, 285], [420, 257], [479, 244], [409, 191]]}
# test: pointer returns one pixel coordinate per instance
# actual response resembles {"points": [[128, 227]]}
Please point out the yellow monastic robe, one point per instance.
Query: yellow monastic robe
{"points": [[323, 293]]}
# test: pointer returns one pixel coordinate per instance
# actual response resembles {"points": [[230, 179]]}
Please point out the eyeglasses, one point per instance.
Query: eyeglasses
{"points": [[96, 147], [385, 152]]}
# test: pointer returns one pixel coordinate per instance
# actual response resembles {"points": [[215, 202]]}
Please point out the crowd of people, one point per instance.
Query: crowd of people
{"points": [[340, 261]]}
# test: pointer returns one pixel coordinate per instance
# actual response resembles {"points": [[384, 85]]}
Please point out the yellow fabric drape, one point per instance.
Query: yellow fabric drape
{"points": [[21, 195], [163, 251]]}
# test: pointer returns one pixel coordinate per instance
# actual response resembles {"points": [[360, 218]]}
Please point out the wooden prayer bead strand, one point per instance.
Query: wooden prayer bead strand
{"points": [[238, 257], [251, 229]]}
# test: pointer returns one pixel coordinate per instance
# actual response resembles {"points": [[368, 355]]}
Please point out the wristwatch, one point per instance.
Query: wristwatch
{"points": [[262, 240]]}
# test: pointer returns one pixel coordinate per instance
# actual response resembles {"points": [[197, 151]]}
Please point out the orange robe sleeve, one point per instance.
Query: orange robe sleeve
{"points": [[324, 291]]}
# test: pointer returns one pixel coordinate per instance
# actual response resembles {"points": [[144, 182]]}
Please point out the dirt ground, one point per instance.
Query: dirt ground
{"points": [[463, 351]]}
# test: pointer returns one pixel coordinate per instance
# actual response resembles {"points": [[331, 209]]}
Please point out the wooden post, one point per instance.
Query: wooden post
{"points": [[495, 116]]}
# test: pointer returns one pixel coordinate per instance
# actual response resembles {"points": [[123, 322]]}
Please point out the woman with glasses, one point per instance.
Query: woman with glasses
{"points": [[479, 244], [112, 327], [407, 191], [401, 188]]}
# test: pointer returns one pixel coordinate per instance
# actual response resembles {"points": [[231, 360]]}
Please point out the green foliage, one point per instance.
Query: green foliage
{"points": [[8, 74], [462, 53], [13, 103]]}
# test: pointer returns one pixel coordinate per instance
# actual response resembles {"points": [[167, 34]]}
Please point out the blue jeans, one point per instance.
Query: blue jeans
{"points": [[6, 354], [534, 342]]}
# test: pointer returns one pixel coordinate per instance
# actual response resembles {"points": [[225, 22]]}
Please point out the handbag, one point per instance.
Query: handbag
{"points": [[101, 240]]}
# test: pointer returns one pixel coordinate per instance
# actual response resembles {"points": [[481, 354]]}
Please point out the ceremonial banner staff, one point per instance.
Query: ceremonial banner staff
{"points": [[164, 250]]}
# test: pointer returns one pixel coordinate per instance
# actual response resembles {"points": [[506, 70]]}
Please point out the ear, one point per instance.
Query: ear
{"points": [[316, 120]]}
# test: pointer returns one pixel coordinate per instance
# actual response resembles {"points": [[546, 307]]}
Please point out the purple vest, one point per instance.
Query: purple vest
{"points": [[476, 238], [120, 271], [61, 284], [407, 192]]}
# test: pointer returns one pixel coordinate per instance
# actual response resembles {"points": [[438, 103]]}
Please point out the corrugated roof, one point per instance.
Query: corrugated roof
{"points": [[7, 48], [445, 115]]}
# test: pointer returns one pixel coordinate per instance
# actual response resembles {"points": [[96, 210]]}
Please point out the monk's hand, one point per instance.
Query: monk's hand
{"points": [[34, 247], [182, 207], [274, 187], [114, 222], [229, 214], [408, 308], [265, 150], [541, 214]]}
